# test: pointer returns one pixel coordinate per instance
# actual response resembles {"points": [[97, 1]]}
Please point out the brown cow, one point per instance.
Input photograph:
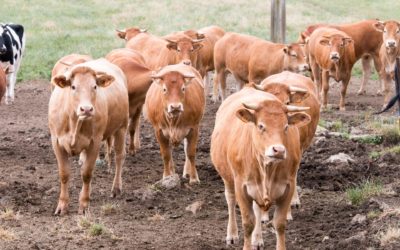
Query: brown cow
{"points": [[65, 63], [159, 52], [89, 105], [175, 105], [255, 147], [251, 59], [389, 51], [287, 87], [139, 79], [3, 83], [331, 55], [129, 33], [367, 42]]}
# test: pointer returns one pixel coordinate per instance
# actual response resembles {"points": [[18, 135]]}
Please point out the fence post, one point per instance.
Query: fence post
{"points": [[278, 21]]}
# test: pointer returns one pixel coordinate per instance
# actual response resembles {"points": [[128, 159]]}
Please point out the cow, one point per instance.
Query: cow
{"points": [[299, 90], [331, 54], [159, 52], [175, 105], [139, 80], [255, 147], [12, 46], [389, 51], [88, 105], [65, 63], [367, 42], [129, 33], [251, 59], [3, 81]]}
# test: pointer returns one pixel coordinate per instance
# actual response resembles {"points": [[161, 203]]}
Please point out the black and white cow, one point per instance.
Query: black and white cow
{"points": [[12, 44]]}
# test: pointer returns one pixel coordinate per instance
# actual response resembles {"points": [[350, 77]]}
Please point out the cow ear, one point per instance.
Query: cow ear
{"points": [[197, 46], [297, 97], [121, 34], [299, 119], [324, 42], [104, 80], [200, 36], [61, 81], [347, 40], [379, 26], [286, 50], [172, 45], [246, 115]]}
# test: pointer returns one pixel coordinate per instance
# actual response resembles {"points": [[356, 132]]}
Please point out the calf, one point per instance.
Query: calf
{"points": [[367, 42], [139, 79], [159, 52], [255, 148], [12, 46], [389, 51], [331, 55], [88, 105], [251, 59], [175, 105], [65, 63]]}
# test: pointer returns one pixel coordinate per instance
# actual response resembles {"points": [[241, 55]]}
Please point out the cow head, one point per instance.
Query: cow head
{"points": [[337, 44], [128, 34], [295, 59], [391, 33], [194, 34], [270, 121], [185, 49], [83, 83], [173, 84], [286, 94]]}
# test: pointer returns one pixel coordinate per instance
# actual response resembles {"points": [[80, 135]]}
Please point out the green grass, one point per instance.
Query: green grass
{"points": [[58, 28], [96, 229], [367, 189]]}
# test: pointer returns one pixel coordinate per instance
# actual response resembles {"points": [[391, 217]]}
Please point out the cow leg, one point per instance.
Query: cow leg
{"points": [[316, 72], [190, 145], [219, 81], [256, 237], [86, 173], [366, 68], [82, 157], [109, 146], [280, 214], [325, 88], [343, 90], [387, 82], [247, 213], [120, 154], [64, 171], [378, 66], [232, 236], [10, 88], [134, 126], [166, 154]]}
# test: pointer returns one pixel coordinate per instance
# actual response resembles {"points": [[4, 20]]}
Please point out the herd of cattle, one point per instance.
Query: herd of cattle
{"points": [[260, 131]]}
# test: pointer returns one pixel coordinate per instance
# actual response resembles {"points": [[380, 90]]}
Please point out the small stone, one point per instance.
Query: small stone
{"points": [[340, 158], [325, 238], [358, 219], [169, 182], [195, 207]]}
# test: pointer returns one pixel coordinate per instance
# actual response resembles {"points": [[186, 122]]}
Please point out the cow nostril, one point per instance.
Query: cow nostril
{"points": [[82, 109], [91, 109]]}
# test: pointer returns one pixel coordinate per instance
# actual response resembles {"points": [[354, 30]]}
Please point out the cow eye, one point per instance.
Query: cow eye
{"points": [[384, 31], [178, 49], [294, 55], [73, 87], [398, 31], [261, 127], [164, 90], [183, 88], [286, 128], [191, 50], [95, 87]]}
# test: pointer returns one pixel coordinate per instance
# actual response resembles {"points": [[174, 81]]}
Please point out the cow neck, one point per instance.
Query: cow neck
{"points": [[392, 55], [76, 132]]}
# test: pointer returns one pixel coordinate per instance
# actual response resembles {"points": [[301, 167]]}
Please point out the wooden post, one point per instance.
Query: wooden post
{"points": [[278, 21]]}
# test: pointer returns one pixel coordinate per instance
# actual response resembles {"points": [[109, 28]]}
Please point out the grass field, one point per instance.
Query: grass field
{"points": [[57, 28]]}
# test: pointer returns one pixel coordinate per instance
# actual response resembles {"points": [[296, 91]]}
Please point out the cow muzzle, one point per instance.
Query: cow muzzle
{"points": [[335, 57], [391, 44], [174, 109], [275, 153], [304, 68], [85, 112], [187, 62]]}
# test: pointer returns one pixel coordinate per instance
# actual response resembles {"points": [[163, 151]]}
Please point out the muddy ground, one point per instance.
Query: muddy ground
{"points": [[156, 218]]}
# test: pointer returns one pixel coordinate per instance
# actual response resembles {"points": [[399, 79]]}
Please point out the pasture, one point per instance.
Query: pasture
{"points": [[347, 205]]}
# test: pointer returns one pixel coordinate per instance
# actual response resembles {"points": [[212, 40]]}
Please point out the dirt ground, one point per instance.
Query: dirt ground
{"points": [[148, 218]]}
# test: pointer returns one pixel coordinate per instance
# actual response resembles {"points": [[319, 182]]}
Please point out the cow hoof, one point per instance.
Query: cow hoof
{"points": [[297, 205], [61, 209], [342, 109], [83, 210], [232, 240], [115, 192], [194, 181], [257, 247], [361, 92], [289, 216]]}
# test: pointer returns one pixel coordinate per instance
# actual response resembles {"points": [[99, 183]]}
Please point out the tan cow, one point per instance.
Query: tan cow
{"points": [[367, 42], [255, 147], [65, 63], [88, 105], [159, 52], [175, 105], [331, 55], [129, 33], [3, 83], [251, 59], [139, 79], [296, 89], [389, 51]]}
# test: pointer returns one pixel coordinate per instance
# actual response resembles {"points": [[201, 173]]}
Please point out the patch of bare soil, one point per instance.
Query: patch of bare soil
{"points": [[148, 217]]}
